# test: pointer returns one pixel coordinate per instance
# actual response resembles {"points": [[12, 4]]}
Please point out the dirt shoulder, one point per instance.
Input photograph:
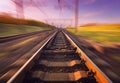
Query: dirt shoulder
{"points": [[107, 58], [109, 50], [20, 50]]}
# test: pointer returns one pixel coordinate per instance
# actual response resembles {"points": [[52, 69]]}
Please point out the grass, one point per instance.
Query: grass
{"points": [[101, 33], [2, 53], [116, 57], [23, 42], [12, 29], [107, 27], [9, 49]]}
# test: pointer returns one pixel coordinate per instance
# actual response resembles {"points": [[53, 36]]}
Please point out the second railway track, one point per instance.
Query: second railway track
{"points": [[60, 61]]}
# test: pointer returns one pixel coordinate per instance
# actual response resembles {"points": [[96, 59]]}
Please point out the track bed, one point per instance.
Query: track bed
{"points": [[59, 63]]}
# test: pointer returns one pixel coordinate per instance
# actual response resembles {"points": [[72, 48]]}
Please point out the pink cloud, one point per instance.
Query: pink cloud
{"points": [[89, 1], [7, 6], [91, 14]]}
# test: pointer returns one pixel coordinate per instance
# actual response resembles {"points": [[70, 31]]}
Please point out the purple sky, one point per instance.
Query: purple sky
{"points": [[90, 11]]}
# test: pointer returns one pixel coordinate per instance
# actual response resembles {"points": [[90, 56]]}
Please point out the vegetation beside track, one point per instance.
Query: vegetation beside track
{"points": [[108, 35], [13, 29], [13, 26], [99, 33]]}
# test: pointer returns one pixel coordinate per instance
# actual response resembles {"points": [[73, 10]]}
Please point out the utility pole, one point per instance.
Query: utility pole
{"points": [[76, 13]]}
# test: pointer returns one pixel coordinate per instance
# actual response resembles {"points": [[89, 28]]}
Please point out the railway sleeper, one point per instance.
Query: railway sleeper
{"points": [[45, 77], [59, 58], [61, 69], [59, 63]]}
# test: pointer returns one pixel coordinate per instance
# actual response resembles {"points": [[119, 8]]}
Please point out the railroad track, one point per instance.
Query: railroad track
{"points": [[59, 60]]}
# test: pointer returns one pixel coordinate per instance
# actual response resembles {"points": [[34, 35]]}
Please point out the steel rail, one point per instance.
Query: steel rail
{"points": [[102, 76], [11, 80]]}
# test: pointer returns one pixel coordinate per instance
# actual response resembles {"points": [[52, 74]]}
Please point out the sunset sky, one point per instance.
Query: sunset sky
{"points": [[52, 11]]}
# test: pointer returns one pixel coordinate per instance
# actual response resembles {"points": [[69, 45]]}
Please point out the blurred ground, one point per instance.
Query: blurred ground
{"points": [[102, 46], [111, 51], [19, 50], [13, 29], [103, 38], [99, 33]]}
